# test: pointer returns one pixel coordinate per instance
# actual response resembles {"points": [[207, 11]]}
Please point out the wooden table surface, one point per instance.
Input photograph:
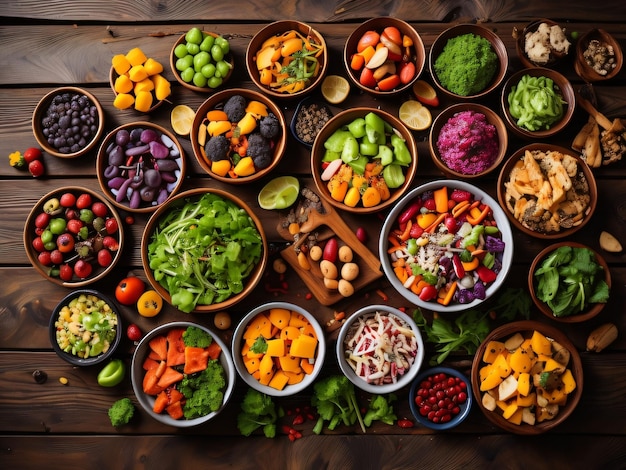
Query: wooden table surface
{"points": [[49, 44]]}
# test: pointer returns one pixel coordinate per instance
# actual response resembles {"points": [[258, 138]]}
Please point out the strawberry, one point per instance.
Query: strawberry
{"points": [[36, 168]]}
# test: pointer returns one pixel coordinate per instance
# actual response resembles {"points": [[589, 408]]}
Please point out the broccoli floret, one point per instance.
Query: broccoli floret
{"points": [[257, 411], [269, 126], [121, 412], [335, 400], [235, 108], [380, 409], [204, 391], [217, 148], [196, 337], [260, 149]]}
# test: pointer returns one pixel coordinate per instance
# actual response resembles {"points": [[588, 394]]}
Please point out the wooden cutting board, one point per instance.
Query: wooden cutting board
{"points": [[331, 224]]}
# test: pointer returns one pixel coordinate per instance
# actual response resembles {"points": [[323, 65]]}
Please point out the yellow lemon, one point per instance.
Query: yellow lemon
{"points": [[182, 119], [335, 89], [414, 115]]}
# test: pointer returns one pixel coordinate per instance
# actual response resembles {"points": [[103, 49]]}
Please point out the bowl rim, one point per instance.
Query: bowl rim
{"points": [[75, 360], [28, 237], [575, 365], [344, 117], [496, 43], [465, 407], [567, 93], [100, 164], [143, 399], [289, 389], [418, 44], [492, 117], [220, 97], [404, 380], [544, 146], [39, 110], [307, 100], [580, 66], [592, 309], [191, 86], [501, 219], [253, 278], [264, 32]]}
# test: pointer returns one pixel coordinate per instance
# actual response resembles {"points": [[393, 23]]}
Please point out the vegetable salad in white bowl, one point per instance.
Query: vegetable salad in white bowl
{"points": [[380, 349]]}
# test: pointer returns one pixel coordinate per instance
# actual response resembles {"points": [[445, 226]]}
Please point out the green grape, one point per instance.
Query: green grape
{"points": [[181, 51], [208, 70], [184, 63], [214, 82], [194, 36], [187, 74], [207, 43], [192, 48], [217, 53], [199, 80]]}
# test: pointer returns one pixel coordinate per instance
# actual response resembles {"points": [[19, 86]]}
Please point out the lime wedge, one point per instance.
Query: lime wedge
{"points": [[279, 193]]}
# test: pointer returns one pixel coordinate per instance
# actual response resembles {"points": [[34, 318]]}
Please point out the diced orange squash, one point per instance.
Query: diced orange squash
{"points": [[257, 108], [289, 363], [143, 101], [245, 167], [279, 317], [502, 365], [516, 417], [196, 359], [541, 344], [123, 101], [524, 401], [214, 350], [298, 320], [554, 397], [275, 347], [175, 410], [279, 380], [294, 377], [120, 64], [264, 58], [493, 349], [221, 167], [309, 330], [160, 402], [150, 383], [158, 344], [153, 66], [137, 73], [175, 347], [569, 383], [523, 384], [503, 405], [492, 379], [218, 127], [150, 363], [136, 56], [551, 365], [290, 333], [169, 377], [266, 370], [144, 85], [252, 364], [123, 84], [303, 346], [509, 410], [162, 86], [259, 326], [307, 366], [520, 361]]}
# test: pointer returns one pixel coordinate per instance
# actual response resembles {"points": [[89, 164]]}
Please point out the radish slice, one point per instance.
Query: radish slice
{"points": [[331, 169]]}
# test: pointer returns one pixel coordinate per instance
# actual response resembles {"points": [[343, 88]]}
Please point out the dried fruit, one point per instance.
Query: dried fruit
{"points": [[601, 337]]}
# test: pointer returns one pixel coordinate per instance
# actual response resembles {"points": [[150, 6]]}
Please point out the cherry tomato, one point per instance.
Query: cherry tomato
{"points": [[99, 208], [82, 268], [428, 293], [104, 257], [370, 38], [66, 272], [36, 168], [111, 225], [129, 290], [42, 220], [83, 201], [67, 200], [44, 258], [331, 248], [367, 78], [133, 332], [389, 83], [32, 154], [149, 303], [407, 72]]}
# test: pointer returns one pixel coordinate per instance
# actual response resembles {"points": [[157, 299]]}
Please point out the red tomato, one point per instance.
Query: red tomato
{"points": [[83, 201], [82, 269], [42, 220], [32, 154], [393, 34], [111, 225], [99, 209], [370, 38], [36, 168], [67, 200], [428, 293], [74, 225], [104, 257], [129, 290], [66, 273]]}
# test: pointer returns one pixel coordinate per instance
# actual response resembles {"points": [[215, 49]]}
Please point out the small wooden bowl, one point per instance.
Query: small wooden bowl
{"points": [[562, 86], [555, 57], [113, 76], [342, 119], [177, 155], [216, 101], [526, 328], [417, 52], [592, 309], [277, 28], [581, 66], [41, 110], [177, 201], [508, 205], [31, 232], [204, 89], [492, 118], [496, 43]]}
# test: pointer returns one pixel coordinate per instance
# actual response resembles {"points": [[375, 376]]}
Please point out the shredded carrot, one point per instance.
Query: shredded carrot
{"points": [[449, 294], [382, 295], [460, 208], [394, 241], [475, 220], [407, 231]]}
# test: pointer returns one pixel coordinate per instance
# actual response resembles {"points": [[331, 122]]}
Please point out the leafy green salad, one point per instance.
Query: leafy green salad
{"points": [[203, 251]]}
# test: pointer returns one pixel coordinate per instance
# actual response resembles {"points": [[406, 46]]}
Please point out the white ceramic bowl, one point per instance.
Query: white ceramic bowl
{"points": [[239, 341], [403, 380], [391, 223], [147, 401]]}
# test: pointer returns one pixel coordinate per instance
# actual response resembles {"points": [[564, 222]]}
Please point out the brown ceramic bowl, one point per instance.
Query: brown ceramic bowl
{"points": [[566, 225], [96, 128], [581, 66], [500, 136], [343, 119], [273, 32], [54, 204], [228, 58], [562, 87], [496, 44], [592, 309], [558, 341], [416, 54], [217, 101], [111, 176], [176, 203], [554, 58]]}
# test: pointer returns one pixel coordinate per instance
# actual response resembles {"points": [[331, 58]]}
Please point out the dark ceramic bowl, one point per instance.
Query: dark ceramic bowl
{"points": [[555, 57], [581, 66]]}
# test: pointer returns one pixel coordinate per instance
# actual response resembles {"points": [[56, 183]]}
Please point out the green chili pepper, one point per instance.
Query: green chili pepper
{"points": [[400, 150], [375, 128], [357, 128], [393, 176], [350, 149], [385, 154], [337, 140]]}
